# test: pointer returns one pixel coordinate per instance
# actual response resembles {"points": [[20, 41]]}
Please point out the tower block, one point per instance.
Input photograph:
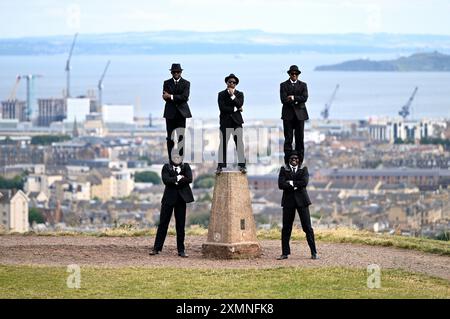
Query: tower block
{"points": [[232, 229]]}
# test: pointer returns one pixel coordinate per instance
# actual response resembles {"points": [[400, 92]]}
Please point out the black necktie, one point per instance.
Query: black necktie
{"points": [[295, 170]]}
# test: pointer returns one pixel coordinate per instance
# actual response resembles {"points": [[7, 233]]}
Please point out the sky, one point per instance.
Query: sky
{"points": [[29, 18]]}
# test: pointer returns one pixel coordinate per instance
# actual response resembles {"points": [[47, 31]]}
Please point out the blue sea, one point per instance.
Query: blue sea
{"points": [[133, 78]]}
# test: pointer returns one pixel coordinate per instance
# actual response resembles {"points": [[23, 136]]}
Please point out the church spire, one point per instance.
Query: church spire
{"points": [[75, 132]]}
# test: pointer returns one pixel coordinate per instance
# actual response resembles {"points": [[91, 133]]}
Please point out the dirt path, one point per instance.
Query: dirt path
{"points": [[133, 251]]}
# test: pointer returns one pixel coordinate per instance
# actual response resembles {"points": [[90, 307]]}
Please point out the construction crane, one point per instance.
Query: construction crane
{"points": [[30, 92], [406, 109], [326, 111], [68, 67], [100, 89], [12, 96]]}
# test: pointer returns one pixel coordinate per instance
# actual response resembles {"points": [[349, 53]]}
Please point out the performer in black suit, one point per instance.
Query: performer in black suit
{"points": [[293, 181], [176, 176], [176, 94], [231, 103], [293, 95]]}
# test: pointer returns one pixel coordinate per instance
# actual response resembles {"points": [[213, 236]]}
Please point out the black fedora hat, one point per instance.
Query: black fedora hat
{"points": [[176, 67], [232, 76], [298, 154], [294, 68], [294, 153]]}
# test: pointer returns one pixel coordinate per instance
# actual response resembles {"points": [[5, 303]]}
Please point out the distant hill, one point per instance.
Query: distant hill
{"points": [[434, 61], [231, 42]]}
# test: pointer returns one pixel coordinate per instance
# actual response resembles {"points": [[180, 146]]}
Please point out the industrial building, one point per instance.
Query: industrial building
{"points": [[391, 130], [14, 110], [51, 110]]}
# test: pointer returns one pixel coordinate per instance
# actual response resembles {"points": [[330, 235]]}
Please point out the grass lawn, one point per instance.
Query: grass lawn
{"points": [[96, 282]]}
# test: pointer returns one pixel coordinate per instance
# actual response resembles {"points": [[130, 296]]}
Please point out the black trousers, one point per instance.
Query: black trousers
{"points": [[164, 220], [288, 221], [293, 128], [225, 134], [179, 124]]}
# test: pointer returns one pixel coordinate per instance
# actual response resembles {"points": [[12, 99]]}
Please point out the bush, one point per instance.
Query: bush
{"points": [[147, 177], [444, 235], [34, 215]]}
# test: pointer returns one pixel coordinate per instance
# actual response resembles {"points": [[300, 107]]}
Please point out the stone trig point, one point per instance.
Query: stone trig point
{"points": [[232, 230]]}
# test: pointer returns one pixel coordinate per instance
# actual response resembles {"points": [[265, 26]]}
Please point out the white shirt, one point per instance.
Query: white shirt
{"points": [[176, 82], [294, 170], [179, 177], [293, 82]]}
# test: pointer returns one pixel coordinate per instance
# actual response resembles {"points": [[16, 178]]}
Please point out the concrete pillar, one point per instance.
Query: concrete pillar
{"points": [[232, 229]]}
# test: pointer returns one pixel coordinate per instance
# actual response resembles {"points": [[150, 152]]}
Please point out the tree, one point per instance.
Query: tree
{"points": [[204, 181], [145, 158], [16, 182], [34, 215], [48, 139], [147, 177], [201, 219]]}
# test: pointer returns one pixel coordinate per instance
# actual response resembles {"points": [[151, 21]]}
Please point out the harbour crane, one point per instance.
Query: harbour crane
{"points": [[406, 109], [12, 96], [100, 89], [326, 111], [68, 67]]}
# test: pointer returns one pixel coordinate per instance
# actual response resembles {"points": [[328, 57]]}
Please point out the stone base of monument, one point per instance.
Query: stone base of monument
{"points": [[231, 251], [232, 230]]}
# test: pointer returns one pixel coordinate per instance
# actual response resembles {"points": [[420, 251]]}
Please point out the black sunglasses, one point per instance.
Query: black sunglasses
{"points": [[231, 82], [294, 73], [294, 158], [176, 72]]}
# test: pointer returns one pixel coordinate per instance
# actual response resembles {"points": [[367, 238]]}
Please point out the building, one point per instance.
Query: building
{"points": [[391, 130], [11, 155], [101, 184], [122, 182], [14, 210], [77, 109], [14, 110], [425, 178], [123, 114], [41, 182], [51, 110]]}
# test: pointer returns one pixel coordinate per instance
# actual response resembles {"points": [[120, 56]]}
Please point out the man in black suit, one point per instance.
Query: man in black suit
{"points": [[293, 181], [176, 176], [293, 95], [231, 103], [176, 94]]}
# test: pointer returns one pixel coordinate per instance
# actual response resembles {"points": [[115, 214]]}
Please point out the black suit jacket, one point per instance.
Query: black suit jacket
{"points": [[228, 116], [180, 94], [296, 108], [173, 189], [294, 198]]}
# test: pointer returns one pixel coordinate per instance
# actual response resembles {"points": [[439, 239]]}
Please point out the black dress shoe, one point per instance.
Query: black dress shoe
{"points": [[243, 169], [218, 170], [315, 256], [153, 252], [183, 254], [282, 257]]}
